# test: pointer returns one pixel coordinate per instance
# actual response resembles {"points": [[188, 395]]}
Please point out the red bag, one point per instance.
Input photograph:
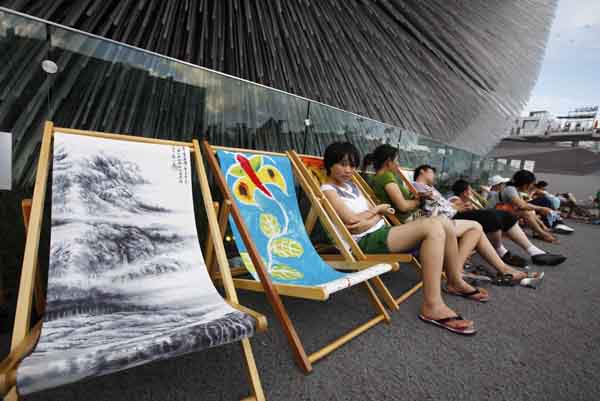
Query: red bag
{"points": [[507, 207]]}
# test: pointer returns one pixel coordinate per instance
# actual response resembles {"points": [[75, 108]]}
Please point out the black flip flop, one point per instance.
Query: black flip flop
{"points": [[443, 323]]}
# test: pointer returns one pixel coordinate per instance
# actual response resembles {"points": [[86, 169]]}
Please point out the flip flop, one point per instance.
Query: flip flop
{"points": [[443, 323], [468, 295]]}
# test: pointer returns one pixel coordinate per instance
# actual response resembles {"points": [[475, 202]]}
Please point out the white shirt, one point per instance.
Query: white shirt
{"points": [[438, 203], [355, 201]]}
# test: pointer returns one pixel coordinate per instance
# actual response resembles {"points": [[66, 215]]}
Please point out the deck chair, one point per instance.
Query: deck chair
{"points": [[262, 209], [312, 171], [478, 201], [127, 283]]}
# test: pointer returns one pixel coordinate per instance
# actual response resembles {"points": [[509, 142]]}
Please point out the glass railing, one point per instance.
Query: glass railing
{"points": [[108, 86]]}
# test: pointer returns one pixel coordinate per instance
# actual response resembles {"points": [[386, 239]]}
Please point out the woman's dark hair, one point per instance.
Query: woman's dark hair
{"points": [[541, 184], [338, 151], [460, 186], [522, 178], [380, 155]]}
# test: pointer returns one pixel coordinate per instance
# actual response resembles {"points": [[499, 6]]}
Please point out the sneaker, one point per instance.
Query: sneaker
{"points": [[563, 229], [514, 260], [548, 259]]}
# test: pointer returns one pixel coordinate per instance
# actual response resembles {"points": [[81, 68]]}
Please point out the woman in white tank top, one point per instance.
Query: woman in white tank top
{"points": [[373, 236]]}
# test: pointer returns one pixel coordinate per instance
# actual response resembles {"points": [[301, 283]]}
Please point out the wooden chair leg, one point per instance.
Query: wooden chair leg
{"points": [[252, 372], [12, 395], [376, 302], [385, 293], [381, 316]]}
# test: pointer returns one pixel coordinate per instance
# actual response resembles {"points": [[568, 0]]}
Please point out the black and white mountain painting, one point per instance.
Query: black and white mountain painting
{"points": [[127, 281]]}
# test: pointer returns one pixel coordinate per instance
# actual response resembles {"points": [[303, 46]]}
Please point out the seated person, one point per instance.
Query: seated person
{"points": [[540, 191], [386, 186], [462, 195], [438, 251], [540, 197], [497, 184], [388, 189], [510, 199]]}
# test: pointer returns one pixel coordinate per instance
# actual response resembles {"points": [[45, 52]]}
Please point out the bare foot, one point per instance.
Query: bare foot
{"points": [[462, 287], [549, 238]]}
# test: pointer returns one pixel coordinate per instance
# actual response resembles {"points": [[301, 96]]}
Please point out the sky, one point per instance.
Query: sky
{"points": [[570, 74]]}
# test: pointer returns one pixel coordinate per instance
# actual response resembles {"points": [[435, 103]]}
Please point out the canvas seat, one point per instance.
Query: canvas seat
{"points": [[263, 212], [127, 282]]}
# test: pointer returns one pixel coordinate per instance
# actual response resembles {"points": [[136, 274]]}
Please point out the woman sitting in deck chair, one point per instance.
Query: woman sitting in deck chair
{"points": [[368, 229]]}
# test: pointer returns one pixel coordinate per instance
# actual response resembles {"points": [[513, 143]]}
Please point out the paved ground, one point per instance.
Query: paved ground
{"points": [[539, 344]]}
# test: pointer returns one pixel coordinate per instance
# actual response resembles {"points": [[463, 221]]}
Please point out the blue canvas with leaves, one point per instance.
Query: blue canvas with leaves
{"points": [[263, 188]]}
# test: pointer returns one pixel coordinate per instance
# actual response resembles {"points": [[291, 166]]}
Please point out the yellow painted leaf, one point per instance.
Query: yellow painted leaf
{"points": [[269, 224], [285, 272], [287, 248], [236, 170], [255, 162], [248, 262]]}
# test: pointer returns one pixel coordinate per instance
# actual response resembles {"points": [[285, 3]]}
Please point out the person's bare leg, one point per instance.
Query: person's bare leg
{"points": [[489, 254], [467, 243], [532, 221], [430, 234], [454, 260], [474, 238], [496, 238], [516, 234]]}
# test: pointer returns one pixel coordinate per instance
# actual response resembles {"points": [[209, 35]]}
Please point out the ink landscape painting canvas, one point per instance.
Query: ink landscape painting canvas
{"points": [[127, 281]]}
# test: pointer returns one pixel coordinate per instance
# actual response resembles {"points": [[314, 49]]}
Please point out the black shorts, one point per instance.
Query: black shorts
{"points": [[491, 220]]}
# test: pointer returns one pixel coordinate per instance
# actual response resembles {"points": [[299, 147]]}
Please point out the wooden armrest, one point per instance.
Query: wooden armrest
{"points": [[261, 320], [8, 371], [8, 380]]}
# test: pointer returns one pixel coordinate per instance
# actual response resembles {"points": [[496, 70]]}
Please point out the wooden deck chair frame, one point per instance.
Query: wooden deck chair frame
{"points": [[274, 290], [322, 209], [478, 201], [25, 338]]}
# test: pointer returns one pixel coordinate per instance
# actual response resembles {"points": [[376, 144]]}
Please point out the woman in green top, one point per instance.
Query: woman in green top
{"points": [[387, 170]]}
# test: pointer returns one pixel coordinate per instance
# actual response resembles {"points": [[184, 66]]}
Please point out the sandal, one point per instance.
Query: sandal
{"points": [[504, 280], [443, 323], [469, 295], [533, 280]]}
